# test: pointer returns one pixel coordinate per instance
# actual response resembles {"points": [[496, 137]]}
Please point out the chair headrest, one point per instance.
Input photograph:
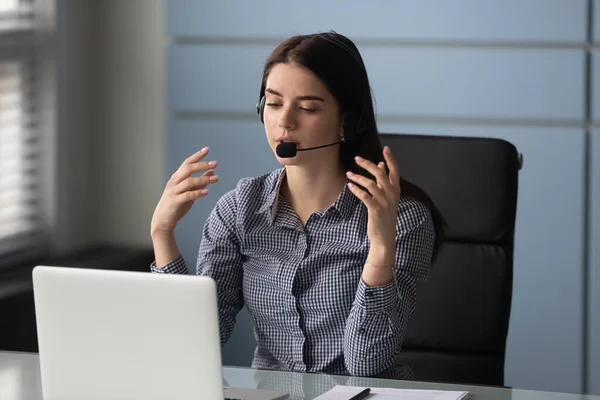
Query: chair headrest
{"points": [[473, 181]]}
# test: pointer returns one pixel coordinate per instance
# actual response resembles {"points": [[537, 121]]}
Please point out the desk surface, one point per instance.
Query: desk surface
{"points": [[20, 380]]}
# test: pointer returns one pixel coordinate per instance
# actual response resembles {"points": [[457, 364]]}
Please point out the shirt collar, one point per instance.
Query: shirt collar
{"points": [[272, 186], [344, 204]]}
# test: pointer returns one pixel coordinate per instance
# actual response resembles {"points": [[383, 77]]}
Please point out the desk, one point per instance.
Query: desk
{"points": [[20, 380]]}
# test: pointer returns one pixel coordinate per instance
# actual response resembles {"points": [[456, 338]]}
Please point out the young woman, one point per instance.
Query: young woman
{"points": [[327, 251]]}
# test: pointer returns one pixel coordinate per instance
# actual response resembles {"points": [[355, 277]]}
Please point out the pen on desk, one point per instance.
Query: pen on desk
{"points": [[361, 395]]}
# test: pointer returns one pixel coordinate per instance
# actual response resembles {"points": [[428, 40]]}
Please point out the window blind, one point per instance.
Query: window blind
{"points": [[20, 217]]}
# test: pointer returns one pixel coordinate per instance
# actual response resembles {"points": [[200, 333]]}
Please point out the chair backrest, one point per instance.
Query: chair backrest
{"points": [[459, 328]]}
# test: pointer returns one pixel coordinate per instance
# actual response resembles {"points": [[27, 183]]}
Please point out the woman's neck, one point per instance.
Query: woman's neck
{"points": [[311, 189]]}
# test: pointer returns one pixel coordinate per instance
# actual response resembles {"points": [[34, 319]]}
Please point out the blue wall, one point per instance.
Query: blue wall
{"points": [[514, 70]]}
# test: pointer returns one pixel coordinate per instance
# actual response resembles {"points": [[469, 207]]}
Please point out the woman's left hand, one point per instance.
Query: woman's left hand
{"points": [[381, 198]]}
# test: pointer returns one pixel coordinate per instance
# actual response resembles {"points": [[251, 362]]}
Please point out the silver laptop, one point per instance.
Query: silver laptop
{"points": [[113, 335]]}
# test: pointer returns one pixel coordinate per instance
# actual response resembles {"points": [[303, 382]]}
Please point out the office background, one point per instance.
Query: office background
{"points": [[143, 84], [515, 70]]}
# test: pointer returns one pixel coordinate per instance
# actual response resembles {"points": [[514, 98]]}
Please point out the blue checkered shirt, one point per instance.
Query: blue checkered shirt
{"points": [[302, 285]]}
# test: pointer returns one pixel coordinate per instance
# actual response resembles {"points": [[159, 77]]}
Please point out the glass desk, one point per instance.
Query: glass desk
{"points": [[20, 380]]}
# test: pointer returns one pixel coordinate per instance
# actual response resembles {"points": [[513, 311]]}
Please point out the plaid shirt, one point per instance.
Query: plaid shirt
{"points": [[302, 285]]}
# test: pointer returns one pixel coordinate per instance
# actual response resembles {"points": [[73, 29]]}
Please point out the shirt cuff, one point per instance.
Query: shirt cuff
{"points": [[176, 266], [377, 298]]}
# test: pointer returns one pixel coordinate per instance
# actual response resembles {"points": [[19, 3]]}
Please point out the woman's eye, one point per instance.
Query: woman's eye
{"points": [[309, 110], [273, 105]]}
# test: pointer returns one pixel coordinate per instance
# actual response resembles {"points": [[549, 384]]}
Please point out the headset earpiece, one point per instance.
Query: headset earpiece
{"points": [[260, 109]]}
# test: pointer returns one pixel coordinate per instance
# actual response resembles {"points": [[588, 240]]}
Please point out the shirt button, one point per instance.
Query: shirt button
{"points": [[369, 294], [361, 330]]}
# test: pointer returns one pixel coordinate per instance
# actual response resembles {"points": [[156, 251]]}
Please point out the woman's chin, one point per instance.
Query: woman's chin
{"points": [[288, 161]]}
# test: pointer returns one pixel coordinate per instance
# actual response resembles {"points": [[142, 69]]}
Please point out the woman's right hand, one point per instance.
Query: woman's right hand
{"points": [[181, 192]]}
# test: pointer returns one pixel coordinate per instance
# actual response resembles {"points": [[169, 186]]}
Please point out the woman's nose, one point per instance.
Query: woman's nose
{"points": [[286, 119]]}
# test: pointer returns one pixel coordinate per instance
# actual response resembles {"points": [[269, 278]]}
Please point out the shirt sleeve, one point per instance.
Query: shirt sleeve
{"points": [[378, 318], [176, 266], [220, 258]]}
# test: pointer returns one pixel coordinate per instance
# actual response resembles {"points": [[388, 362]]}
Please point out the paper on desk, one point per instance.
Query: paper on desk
{"points": [[346, 392]]}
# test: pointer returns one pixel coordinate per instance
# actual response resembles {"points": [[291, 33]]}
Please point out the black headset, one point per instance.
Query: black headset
{"points": [[352, 125]]}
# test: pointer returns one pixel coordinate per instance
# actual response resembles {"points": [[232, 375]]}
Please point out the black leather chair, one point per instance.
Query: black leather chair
{"points": [[459, 328]]}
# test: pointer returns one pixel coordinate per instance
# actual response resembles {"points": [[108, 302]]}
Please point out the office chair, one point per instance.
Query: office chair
{"points": [[459, 328]]}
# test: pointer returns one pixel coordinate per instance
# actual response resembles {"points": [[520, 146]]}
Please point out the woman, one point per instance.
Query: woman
{"points": [[325, 252]]}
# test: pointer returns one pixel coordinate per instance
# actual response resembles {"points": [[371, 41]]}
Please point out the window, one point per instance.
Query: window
{"points": [[20, 216]]}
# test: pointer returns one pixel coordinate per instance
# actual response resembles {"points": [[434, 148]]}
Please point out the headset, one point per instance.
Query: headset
{"points": [[352, 124]]}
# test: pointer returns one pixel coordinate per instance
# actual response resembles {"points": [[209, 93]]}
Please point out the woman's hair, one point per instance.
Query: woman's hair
{"points": [[336, 61]]}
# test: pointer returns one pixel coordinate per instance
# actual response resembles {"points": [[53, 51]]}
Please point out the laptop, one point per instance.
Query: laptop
{"points": [[114, 335]]}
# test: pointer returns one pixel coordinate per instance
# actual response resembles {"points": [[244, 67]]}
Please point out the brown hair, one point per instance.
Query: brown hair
{"points": [[335, 60]]}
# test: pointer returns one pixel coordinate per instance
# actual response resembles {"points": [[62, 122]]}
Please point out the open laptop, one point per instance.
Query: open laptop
{"points": [[112, 335]]}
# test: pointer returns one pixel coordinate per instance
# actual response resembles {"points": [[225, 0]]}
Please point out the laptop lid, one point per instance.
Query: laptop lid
{"points": [[108, 335]]}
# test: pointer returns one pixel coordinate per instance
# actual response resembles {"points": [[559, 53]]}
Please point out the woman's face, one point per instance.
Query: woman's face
{"points": [[300, 109]]}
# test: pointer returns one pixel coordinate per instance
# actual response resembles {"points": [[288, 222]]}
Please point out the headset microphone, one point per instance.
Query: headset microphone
{"points": [[288, 149]]}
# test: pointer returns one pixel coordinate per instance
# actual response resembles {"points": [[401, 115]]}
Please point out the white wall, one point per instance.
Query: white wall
{"points": [[128, 120], [110, 122]]}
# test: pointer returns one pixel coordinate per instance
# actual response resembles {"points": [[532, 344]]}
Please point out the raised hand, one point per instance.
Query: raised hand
{"points": [[182, 190], [381, 198]]}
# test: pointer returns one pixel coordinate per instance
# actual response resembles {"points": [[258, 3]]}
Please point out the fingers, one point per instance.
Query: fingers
{"points": [[394, 176], [382, 191], [186, 170], [192, 165], [372, 187], [378, 173], [362, 195], [196, 183], [192, 195], [197, 156]]}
